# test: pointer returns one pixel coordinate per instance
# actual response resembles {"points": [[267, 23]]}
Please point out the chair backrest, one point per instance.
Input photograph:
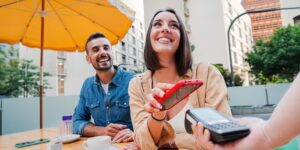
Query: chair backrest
{"points": [[292, 145]]}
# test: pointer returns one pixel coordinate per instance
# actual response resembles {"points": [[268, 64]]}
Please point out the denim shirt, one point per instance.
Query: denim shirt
{"points": [[112, 107]]}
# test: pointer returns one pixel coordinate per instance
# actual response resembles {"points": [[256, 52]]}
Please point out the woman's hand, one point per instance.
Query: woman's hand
{"points": [[152, 106], [157, 92]]}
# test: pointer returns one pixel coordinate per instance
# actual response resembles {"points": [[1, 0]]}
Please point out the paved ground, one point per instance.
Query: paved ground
{"points": [[265, 117]]}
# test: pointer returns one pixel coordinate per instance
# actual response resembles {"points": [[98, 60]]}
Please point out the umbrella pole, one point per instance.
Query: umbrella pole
{"points": [[41, 65]]}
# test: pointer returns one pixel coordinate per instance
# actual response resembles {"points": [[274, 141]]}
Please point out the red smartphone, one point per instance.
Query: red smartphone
{"points": [[178, 92]]}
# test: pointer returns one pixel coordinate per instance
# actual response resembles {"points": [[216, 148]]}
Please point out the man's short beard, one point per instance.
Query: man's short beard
{"points": [[102, 68]]}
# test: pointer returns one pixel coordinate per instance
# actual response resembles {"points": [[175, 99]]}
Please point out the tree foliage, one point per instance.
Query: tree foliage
{"points": [[20, 77], [276, 60], [226, 75]]}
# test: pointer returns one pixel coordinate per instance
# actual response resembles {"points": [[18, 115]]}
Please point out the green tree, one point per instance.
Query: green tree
{"points": [[276, 60], [226, 75], [20, 77]]}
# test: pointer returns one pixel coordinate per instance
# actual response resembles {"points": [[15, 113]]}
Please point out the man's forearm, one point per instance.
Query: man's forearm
{"points": [[93, 130]]}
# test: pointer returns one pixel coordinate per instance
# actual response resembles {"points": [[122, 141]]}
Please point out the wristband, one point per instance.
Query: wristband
{"points": [[157, 119]]}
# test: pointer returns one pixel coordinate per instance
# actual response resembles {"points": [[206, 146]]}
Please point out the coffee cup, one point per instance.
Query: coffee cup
{"points": [[98, 142], [55, 144]]}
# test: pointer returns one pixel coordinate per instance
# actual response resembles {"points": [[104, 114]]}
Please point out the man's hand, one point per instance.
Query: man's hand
{"points": [[131, 146], [126, 135], [113, 129]]}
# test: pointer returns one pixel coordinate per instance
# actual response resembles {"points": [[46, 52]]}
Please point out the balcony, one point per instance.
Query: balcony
{"points": [[186, 11], [188, 28], [62, 72], [61, 55]]}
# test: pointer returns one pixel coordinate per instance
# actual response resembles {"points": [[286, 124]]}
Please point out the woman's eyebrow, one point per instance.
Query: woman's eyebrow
{"points": [[157, 20]]}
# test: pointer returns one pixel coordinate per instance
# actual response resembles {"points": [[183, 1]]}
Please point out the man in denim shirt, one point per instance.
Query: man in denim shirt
{"points": [[104, 97]]}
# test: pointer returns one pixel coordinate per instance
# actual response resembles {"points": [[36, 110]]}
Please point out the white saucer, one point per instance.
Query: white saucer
{"points": [[112, 148], [70, 138]]}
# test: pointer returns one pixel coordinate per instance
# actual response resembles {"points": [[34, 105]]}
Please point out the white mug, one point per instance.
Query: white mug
{"points": [[55, 144], [98, 142]]}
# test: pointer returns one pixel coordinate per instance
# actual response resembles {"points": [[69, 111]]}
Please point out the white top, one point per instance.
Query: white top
{"points": [[177, 121], [105, 87]]}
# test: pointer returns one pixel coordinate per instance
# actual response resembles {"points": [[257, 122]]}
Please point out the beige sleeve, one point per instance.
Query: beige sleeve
{"points": [[139, 117], [216, 94]]}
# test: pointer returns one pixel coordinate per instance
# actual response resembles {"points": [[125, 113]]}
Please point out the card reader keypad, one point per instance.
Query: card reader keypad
{"points": [[227, 125]]}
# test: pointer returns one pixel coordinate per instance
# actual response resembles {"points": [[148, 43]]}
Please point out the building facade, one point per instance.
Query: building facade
{"points": [[264, 24], [69, 70], [207, 23], [291, 17]]}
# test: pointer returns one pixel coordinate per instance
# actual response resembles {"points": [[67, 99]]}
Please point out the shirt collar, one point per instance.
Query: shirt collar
{"points": [[115, 80]]}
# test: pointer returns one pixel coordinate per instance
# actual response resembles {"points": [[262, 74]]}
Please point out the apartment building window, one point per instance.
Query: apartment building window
{"points": [[134, 51], [141, 35], [60, 68], [141, 26], [134, 62], [133, 29], [229, 20], [123, 46], [123, 59], [297, 19], [140, 54], [235, 59], [230, 8], [233, 40], [131, 39], [61, 55], [61, 85], [242, 47], [140, 44], [240, 32], [246, 39]]}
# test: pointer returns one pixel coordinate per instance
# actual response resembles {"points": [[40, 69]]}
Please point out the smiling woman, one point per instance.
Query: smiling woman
{"points": [[168, 58]]}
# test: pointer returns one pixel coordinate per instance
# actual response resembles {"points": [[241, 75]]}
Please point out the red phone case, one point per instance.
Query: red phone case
{"points": [[178, 92]]}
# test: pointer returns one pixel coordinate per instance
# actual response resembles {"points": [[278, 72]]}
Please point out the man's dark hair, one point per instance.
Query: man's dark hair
{"points": [[92, 37], [183, 56]]}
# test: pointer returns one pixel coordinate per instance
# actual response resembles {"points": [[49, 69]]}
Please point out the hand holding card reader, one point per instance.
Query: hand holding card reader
{"points": [[178, 92], [222, 129]]}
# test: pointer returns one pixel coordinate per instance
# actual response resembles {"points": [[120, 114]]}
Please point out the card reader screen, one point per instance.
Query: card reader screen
{"points": [[210, 116]]}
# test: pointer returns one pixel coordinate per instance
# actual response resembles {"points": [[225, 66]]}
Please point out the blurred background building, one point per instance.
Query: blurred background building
{"points": [[264, 24]]}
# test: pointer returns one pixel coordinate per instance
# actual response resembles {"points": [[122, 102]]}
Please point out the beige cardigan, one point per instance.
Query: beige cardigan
{"points": [[212, 93]]}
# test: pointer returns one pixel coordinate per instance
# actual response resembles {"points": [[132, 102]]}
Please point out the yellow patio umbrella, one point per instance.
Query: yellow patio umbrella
{"points": [[59, 25]]}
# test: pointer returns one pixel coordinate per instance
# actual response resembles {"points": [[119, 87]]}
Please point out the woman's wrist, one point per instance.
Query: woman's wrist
{"points": [[159, 116]]}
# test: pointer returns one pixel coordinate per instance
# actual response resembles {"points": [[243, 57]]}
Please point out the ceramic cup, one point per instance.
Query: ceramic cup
{"points": [[98, 142], [55, 144]]}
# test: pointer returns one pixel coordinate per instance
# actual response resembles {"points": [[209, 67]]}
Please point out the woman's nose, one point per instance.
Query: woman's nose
{"points": [[165, 28]]}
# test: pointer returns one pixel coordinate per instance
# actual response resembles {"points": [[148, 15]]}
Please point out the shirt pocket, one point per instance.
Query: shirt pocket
{"points": [[94, 108], [123, 111]]}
